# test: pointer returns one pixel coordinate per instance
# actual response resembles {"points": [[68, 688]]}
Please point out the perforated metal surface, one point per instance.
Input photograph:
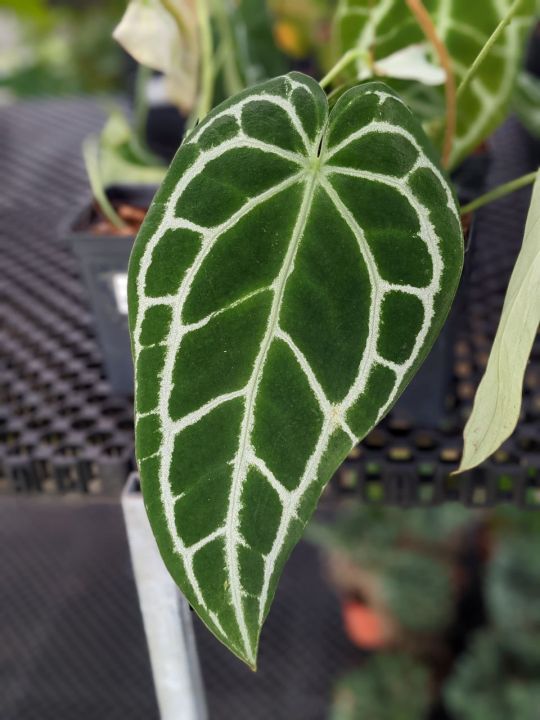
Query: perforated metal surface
{"points": [[71, 636], [61, 428], [71, 640], [72, 645]]}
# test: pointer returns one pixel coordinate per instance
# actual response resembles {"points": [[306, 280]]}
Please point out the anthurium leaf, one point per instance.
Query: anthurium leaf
{"points": [[292, 273], [385, 26], [498, 398]]}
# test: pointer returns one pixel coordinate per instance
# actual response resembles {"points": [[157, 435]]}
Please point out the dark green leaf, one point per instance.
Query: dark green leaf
{"points": [[294, 270]]}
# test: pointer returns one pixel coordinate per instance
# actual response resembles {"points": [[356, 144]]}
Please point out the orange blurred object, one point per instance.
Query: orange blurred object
{"points": [[288, 39], [364, 626]]}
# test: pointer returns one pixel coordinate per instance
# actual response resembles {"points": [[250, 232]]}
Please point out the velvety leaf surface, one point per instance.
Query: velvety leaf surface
{"points": [[292, 273], [386, 26]]}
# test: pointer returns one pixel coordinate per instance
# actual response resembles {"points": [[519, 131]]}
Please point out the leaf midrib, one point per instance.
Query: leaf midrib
{"points": [[240, 463]]}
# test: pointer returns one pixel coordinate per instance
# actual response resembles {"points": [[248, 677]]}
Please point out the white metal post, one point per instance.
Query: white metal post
{"points": [[167, 619]]}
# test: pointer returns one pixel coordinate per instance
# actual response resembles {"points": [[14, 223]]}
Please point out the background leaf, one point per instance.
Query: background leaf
{"points": [[498, 398], [163, 35], [386, 26], [245, 49], [388, 686], [121, 158], [293, 271]]}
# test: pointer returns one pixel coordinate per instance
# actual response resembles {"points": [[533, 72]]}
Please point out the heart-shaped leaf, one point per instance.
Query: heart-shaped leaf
{"points": [[292, 273], [384, 27]]}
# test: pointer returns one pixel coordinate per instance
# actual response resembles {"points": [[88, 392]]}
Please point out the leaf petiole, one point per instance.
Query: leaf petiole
{"points": [[484, 52], [499, 192], [430, 31], [91, 152], [207, 67], [231, 71], [347, 58], [207, 70]]}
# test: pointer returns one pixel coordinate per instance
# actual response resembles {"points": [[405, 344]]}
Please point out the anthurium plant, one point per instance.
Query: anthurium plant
{"points": [[293, 272]]}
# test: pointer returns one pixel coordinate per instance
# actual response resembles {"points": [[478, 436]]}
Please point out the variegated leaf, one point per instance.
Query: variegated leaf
{"points": [[292, 273], [386, 26]]}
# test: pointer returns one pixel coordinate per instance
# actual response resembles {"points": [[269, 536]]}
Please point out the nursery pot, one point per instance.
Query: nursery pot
{"points": [[164, 130], [166, 616], [104, 263], [164, 125]]}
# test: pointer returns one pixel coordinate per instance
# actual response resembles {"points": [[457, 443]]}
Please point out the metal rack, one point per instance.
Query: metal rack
{"points": [[61, 427], [66, 441]]}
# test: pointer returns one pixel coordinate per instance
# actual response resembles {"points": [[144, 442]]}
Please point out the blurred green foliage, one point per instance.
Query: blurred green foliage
{"points": [[498, 675], [405, 550], [493, 682], [389, 686], [513, 585], [57, 48], [362, 529], [245, 50]]}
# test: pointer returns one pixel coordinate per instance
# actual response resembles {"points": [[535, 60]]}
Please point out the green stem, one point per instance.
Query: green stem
{"points": [[207, 69], [138, 138], [499, 192], [141, 103], [484, 52], [231, 72], [347, 58], [172, 8], [90, 149]]}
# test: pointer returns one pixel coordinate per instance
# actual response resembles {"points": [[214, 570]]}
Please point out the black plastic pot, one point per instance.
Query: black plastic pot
{"points": [[104, 262], [164, 125], [164, 130]]}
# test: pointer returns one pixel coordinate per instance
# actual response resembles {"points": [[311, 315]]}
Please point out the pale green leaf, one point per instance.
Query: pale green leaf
{"points": [[498, 398], [115, 158], [121, 160], [292, 273], [162, 35], [386, 26]]}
